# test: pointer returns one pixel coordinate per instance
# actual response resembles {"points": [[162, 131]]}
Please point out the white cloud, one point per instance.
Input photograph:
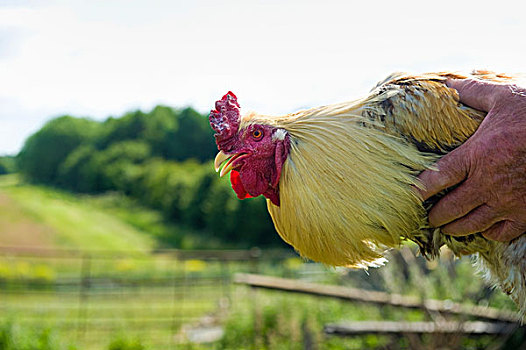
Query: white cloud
{"points": [[99, 58]]}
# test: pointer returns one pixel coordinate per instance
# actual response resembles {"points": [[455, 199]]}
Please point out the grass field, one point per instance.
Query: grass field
{"points": [[37, 216], [149, 315], [99, 284], [155, 302], [89, 301], [132, 294]]}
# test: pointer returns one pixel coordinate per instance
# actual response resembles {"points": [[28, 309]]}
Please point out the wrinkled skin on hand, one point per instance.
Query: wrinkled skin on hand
{"points": [[490, 167]]}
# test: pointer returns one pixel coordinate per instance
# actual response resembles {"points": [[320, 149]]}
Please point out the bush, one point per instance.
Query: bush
{"points": [[125, 344], [13, 337]]}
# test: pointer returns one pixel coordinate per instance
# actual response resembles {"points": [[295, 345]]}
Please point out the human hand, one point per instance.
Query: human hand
{"points": [[490, 167]]}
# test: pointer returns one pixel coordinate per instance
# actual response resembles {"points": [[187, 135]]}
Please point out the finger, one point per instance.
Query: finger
{"points": [[478, 220], [504, 231], [454, 205], [450, 170], [475, 93]]}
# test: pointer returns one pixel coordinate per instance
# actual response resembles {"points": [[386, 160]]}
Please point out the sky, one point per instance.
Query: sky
{"points": [[103, 58]]}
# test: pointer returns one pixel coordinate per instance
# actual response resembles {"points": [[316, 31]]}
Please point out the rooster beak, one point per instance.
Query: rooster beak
{"points": [[220, 159], [226, 169]]}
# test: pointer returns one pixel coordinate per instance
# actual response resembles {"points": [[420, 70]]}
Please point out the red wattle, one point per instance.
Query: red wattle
{"points": [[237, 186]]}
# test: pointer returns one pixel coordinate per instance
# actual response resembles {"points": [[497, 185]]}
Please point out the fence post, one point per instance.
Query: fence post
{"points": [[85, 284], [226, 283], [309, 343], [178, 299], [255, 257]]}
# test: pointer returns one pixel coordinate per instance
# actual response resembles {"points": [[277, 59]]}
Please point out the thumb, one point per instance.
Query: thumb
{"points": [[447, 172], [475, 93]]}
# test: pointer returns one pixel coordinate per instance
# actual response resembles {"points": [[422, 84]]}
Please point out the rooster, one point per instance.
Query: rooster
{"points": [[340, 179]]}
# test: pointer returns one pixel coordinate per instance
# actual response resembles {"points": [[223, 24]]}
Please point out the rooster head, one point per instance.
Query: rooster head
{"points": [[253, 152]]}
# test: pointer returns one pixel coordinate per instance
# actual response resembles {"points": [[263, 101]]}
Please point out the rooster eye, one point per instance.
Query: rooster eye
{"points": [[257, 134]]}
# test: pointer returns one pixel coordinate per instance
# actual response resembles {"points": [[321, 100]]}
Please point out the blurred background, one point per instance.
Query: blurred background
{"points": [[115, 231]]}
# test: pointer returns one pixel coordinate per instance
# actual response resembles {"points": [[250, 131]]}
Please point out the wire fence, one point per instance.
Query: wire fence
{"points": [[173, 299], [91, 298]]}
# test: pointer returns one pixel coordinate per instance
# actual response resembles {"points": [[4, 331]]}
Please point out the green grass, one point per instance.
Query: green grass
{"points": [[270, 320], [32, 215], [140, 300], [122, 307], [69, 221], [151, 315], [108, 302]]}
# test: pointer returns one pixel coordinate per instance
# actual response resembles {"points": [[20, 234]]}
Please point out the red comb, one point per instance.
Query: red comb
{"points": [[225, 120]]}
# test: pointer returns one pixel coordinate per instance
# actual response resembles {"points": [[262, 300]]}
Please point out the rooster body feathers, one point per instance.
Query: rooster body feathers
{"points": [[346, 186]]}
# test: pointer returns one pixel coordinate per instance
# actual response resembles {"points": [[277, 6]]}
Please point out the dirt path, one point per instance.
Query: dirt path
{"points": [[17, 228]]}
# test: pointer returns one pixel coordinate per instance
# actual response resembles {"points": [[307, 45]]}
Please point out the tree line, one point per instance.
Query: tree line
{"points": [[7, 165], [162, 158]]}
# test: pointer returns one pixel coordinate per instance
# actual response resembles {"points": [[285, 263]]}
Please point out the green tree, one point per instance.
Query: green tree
{"points": [[43, 152], [89, 170], [162, 158], [128, 127], [115, 164], [160, 126], [77, 172], [193, 138], [7, 165], [172, 134]]}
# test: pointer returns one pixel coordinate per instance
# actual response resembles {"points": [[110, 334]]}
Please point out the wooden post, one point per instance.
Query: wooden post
{"points": [[225, 281], [399, 327], [178, 300], [85, 284], [375, 297], [309, 342], [255, 256]]}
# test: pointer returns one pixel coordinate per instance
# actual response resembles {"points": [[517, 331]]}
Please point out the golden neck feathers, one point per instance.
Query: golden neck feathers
{"points": [[347, 188]]}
